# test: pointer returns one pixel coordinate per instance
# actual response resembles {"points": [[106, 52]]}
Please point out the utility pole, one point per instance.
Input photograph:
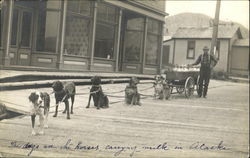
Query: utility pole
{"points": [[215, 28]]}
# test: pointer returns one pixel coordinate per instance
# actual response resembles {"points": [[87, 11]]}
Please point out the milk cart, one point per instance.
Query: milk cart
{"points": [[182, 80]]}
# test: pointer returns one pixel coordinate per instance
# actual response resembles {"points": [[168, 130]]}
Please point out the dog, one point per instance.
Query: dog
{"points": [[39, 100], [64, 91], [161, 88], [99, 98], [132, 95]]}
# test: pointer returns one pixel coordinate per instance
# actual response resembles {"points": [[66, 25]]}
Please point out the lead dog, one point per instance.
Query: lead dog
{"points": [[132, 95], [64, 91], [39, 101], [161, 88], [99, 98]]}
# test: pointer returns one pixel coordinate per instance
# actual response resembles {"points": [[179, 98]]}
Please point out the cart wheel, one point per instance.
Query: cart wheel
{"points": [[189, 87], [180, 90], [197, 84]]}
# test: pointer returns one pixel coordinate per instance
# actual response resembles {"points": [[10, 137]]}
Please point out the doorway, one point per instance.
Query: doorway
{"points": [[21, 34], [165, 55]]}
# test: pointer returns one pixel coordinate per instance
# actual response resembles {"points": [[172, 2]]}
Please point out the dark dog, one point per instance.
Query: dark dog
{"points": [[64, 91], [39, 101], [132, 95], [162, 90], [99, 98]]}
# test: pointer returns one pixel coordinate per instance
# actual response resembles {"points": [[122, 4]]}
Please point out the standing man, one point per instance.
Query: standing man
{"points": [[205, 70]]}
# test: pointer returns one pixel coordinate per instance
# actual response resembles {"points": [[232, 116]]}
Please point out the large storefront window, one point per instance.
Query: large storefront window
{"points": [[77, 31], [152, 41], [105, 31], [48, 25], [133, 38]]}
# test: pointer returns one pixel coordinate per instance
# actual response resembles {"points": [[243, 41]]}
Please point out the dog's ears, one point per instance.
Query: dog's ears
{"points": [[96, 80], [33, 97], [57, 85]]}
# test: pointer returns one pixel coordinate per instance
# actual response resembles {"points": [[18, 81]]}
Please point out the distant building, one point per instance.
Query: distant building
{"points": [[186, 45], [240, 58], [82, 35]]}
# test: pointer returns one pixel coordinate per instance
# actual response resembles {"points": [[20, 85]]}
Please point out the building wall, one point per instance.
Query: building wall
{"points": [[240, 60], [156, 4], [71, 53], [180, 54]]}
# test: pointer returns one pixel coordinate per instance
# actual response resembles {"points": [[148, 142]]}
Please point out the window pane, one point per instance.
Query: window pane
{"points": [[77, 35], [14, 27], [133, 46], [106, 13], [85, 7], [111, 14], [47, 31], [102, 12], [135, 24], [190, 53], [191, 44], [151, 49], [153, 26], [55, 4], [26, 29], [104, 41], [73, 6]]}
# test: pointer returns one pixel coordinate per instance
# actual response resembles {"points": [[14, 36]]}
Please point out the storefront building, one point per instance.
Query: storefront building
{"points": [[83, 35]]}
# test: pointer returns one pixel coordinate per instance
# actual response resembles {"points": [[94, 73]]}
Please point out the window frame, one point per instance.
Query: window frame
{"points": [[190, 48]]}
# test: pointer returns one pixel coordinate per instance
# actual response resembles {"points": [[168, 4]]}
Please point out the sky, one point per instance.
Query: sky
{"points": [[231, 10]]}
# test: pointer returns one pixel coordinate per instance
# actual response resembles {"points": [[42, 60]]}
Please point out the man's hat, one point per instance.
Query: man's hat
{"points": [[205, 48]]}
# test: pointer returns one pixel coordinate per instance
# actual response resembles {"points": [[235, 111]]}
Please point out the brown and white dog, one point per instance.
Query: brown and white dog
{"points": [[132, 95], [162, 90], [100, 99], [40, 106], [64, 91]]}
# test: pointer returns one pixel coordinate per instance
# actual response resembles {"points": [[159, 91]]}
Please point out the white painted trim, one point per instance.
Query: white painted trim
{"points": [[23, 56], [102, 65], [44, 60], [131, 67], [147, 68], [67, 62], [11, 55]]}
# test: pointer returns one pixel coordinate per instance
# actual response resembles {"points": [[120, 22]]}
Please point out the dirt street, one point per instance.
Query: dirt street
{"points": [[214, 127]]}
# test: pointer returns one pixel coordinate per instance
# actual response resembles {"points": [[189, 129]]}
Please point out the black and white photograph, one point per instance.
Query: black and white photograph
{"points": [[124, 78]]}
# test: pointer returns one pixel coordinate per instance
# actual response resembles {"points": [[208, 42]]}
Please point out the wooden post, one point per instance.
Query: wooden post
{"points": [[117, 43], [160, 54], [60, 63], [215, 28], [144, 45], [92, 50]]}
